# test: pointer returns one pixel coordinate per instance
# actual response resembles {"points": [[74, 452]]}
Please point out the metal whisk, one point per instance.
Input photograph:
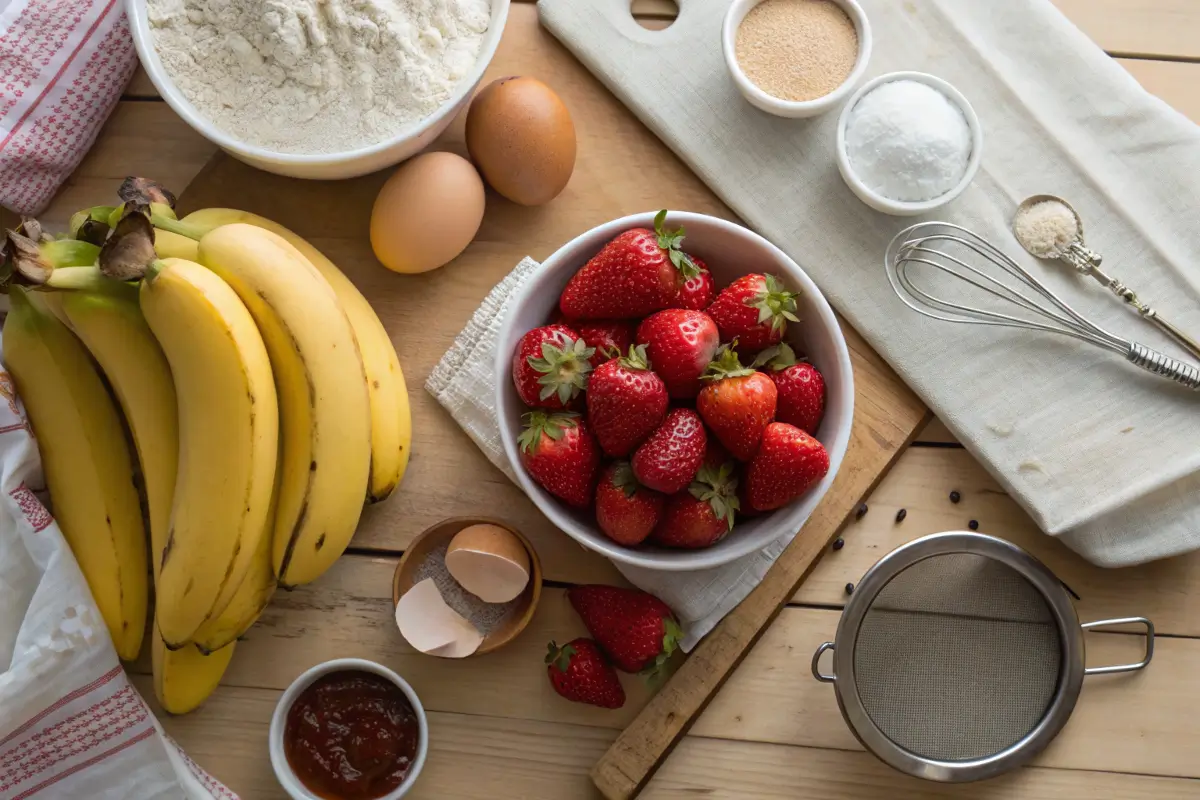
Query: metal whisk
{"points": [[958, 253]]}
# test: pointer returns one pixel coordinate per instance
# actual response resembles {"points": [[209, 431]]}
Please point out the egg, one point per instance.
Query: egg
{"points": [[522, 138], [427, 213], [489, 562]]}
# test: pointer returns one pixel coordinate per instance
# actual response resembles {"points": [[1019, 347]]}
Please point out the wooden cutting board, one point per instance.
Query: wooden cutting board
{"points": [[622, 168]]}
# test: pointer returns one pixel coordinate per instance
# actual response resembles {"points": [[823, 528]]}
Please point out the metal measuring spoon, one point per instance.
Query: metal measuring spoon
{"points": [[1087, 261]]}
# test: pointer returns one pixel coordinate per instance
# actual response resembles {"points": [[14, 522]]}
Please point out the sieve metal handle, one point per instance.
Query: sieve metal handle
{"points": [[1108, 623], [816, 667]]}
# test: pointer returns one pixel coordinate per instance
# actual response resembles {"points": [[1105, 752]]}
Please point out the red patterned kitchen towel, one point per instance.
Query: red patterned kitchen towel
{"points": [[63, 64]]}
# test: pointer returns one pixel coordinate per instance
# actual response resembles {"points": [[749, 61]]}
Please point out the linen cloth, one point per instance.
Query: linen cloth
{"points": [[63, 64], [71, 723], [464, 383], [1099, 453]]}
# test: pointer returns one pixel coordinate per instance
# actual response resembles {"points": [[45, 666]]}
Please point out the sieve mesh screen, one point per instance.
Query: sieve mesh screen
{"points": [[957, 658]]}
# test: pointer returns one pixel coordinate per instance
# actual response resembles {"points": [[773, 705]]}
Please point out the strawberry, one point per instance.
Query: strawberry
{"points": [[788, 462], [737, 403], [610, 338], [669, 459], [579, 673], [755, 310], [626, 402], [799, 384], [697, 291], [702, 515], [551, 366], [637, 273], [680, 343], [715, 453], [626, 511], [561, 454], [637, 630]]}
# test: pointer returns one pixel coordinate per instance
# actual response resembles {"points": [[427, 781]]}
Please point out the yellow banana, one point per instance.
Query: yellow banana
{"points": [[228, 442], [325, 426], [183, 679], [110, 323], [172, 245], [86, 461], [391, 420]]}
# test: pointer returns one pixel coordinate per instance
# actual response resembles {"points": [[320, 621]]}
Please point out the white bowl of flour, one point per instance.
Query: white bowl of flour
{"points": [[317, 88]]}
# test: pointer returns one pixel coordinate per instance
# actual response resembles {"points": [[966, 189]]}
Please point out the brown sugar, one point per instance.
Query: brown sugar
{"points": [[797, 49]]}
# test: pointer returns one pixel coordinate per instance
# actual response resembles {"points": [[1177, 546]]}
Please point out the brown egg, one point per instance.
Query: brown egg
{"points": [[427, 212], [521, 137]]}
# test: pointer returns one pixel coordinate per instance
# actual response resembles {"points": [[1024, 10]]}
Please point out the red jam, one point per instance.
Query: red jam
{"points": [[351, 735]]}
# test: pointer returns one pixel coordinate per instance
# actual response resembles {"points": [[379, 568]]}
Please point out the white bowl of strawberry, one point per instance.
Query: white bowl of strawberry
{"points": [[673, 403]]}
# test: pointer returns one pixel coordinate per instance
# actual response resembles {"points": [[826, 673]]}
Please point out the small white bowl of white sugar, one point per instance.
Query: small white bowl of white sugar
{"points": [[908, 143]]}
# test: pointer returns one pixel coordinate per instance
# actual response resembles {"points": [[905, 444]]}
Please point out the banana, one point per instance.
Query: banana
{"points": [[111, 325], [228, 442], [325, 426], [183, 679], [172, 245], [391, 420], [86, 462]]}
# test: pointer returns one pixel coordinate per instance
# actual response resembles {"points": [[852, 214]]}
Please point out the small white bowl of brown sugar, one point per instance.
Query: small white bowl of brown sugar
{"points": [[796, 58]]}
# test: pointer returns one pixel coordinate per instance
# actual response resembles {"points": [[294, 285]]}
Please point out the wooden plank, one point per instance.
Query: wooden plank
{"points": [[474, 757], [1142, 28], [1172, 81], [921, 482], [936, 432], [139, 86], [1138, 723]]}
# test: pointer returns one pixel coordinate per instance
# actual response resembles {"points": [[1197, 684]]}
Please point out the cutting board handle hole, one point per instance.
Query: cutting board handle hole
{"points": [[654, 15]]}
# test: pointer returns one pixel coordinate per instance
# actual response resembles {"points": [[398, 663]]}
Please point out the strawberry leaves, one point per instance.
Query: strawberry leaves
{"points": [[725, 365], [672, 241], [717, 486], [774, 303], [672, 636], [538, 423], [564, 368]]}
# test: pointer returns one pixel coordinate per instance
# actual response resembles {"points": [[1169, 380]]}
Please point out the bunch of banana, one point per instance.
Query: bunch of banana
{"points": [[263, 396]]}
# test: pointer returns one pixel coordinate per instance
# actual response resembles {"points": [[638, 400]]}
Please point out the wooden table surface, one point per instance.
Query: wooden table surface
{"points": [[499, 731]]}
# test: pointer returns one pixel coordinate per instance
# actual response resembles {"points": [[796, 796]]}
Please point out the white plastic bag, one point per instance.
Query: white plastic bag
{"points": [[71, 724]]}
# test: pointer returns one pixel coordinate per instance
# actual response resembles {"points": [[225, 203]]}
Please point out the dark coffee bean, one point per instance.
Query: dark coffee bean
{"points": [[861, 511], [849, 588], [839, 543], [973, 524], [901, 514], [955, 497]]}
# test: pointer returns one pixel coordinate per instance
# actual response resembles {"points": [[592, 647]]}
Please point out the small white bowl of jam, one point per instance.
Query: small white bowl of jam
{"points": [[348, 729]]}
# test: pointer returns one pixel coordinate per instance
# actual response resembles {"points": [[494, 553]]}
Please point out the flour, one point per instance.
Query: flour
{"points": [[317, 76], [907, 141]]}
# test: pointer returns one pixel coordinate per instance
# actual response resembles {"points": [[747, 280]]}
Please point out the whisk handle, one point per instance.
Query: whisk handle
{"points": [[1162, 364]]}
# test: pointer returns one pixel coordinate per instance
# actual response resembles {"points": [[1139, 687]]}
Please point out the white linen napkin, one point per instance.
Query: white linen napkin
{"points": [[463, 383]]}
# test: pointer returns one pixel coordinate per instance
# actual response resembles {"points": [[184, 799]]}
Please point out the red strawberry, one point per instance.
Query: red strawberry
{"points": [[737, 403], [680, 344], [697, 291], [579, 673], [561, 454], [788, 462], [670, 458], [610, 338], [702, 515], [715, 453], [551, 366], [800, 385], [626, 402], [755, 310], [626, 511], [635, 274], [637, 630]]}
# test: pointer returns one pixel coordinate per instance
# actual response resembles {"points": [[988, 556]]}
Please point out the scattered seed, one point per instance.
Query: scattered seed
{"points": [[849, 588], [901, 514], [955, 497], [973, 524], [839, 543], [861, 511]]}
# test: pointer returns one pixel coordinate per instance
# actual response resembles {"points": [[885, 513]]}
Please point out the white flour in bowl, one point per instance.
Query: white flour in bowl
{"points": [[317, 76]]}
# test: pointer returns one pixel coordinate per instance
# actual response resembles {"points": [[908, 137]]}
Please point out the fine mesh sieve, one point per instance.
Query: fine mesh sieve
{"points": [[959, 656]]}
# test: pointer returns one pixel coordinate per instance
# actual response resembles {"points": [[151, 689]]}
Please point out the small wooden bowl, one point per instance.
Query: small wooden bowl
{"points": [[441, 533]]}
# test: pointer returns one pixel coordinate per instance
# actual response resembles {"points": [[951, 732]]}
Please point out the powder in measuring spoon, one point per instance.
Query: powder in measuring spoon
{"points": [[907, 141], [797, 49]]}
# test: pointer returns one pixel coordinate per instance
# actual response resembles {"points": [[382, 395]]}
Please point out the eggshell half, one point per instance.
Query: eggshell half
{"points": [[489, 562], [431, 626]]}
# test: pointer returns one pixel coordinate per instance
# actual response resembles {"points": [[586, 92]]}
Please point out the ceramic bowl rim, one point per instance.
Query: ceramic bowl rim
{"points": [[283, 771]]}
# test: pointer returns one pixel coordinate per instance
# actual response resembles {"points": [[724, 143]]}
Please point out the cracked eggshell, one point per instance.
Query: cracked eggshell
{"points": [[489, 562], [431, 626]]}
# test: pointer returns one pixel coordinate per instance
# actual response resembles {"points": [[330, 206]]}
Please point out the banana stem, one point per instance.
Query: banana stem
{"points": [[175, 226], [62, 253], [152, 269], [77, 278]]}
